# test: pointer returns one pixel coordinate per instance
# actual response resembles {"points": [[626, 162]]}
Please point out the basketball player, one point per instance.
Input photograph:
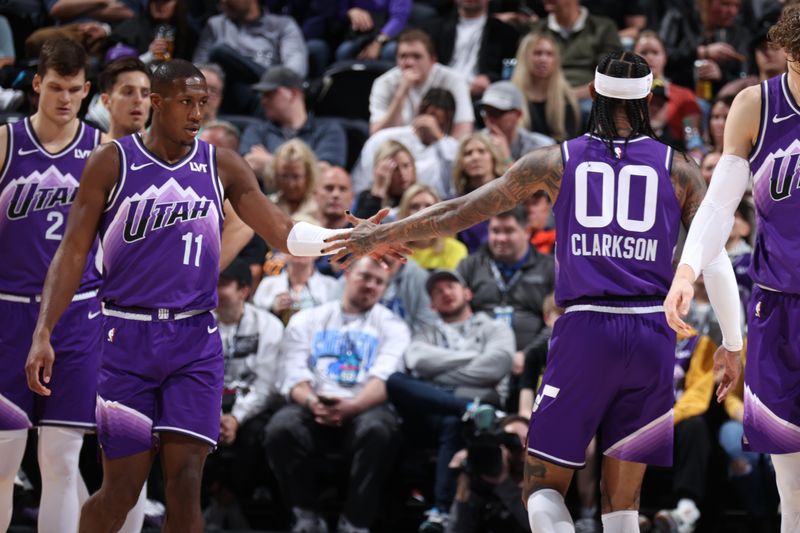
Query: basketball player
{"points": [[769, 150], [42, 158], [125, 92], [156, 200], [619, 196]]}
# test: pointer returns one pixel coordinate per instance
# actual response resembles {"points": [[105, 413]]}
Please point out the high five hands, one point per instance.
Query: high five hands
{"points": [[360, 241]]}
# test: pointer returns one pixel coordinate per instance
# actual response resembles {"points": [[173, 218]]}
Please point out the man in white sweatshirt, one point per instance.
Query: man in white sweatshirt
{"points": [[336, 358]]}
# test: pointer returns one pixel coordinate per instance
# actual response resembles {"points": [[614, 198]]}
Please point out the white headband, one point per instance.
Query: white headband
{"points": [[622, 88]]}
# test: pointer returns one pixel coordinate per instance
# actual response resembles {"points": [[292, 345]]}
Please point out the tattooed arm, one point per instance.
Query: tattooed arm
{"points": [[538, 170], [690, 187]]}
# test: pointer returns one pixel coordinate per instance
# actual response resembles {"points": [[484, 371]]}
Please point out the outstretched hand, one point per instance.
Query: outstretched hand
{"points": [[727, 367], [360, 241]]}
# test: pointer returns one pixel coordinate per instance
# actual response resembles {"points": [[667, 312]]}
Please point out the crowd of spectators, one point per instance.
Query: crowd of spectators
{"points": [[358, 368]]}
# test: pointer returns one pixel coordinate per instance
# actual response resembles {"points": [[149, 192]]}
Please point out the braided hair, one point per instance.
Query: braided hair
{"points": [[620, 64]]}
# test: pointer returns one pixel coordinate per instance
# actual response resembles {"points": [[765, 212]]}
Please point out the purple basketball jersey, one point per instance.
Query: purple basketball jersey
{"points": [[161, 230], [617, 218], [775, 164], [36, 191]]}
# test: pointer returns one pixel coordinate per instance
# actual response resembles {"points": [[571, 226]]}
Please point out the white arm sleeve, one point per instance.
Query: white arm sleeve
{"points": [[713, 221], [723, 293], [306, 240]]}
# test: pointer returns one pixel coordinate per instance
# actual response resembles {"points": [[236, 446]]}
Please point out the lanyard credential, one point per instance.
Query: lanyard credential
{"points": [[502, 285]]}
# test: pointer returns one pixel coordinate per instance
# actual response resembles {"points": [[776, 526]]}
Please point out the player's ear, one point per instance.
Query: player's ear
{"points": [[86, 86], [155, 101], [37, 83], [104, 99]]}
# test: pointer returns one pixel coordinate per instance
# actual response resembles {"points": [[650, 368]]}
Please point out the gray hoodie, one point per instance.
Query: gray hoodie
{"points": [[472, 356]]}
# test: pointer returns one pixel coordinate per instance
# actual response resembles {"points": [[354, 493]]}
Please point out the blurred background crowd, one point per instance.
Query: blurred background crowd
{"points": [[397, 400]]}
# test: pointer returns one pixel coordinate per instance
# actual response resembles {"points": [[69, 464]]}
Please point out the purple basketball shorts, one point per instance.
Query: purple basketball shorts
{"points": [[75, 341], [609, 370], [772, 373], [158, 376]]}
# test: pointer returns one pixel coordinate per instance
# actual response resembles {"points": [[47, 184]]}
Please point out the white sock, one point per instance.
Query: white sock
{"points": [[135, 519], [12, 448], [59, 451], [548, 514], [787, 477], [621, 522]]}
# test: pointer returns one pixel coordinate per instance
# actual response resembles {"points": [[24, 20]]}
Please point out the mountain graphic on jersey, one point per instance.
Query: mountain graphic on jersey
{"points": [[36, 192], [142, 215], [778, 177]]}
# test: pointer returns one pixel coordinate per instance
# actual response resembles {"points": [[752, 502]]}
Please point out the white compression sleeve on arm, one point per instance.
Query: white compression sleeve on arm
{"points": [[723, 293], [712, 223], [306, 240]]}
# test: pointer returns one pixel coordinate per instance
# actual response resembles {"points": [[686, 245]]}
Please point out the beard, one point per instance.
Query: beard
{"points": [[453, 314]]}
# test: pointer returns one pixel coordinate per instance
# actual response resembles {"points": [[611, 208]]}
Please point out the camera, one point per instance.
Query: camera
{"points": [[485, 438]]}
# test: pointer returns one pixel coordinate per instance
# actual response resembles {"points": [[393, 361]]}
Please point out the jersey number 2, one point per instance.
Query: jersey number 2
{"points": [[622, 185], [57, 220]]}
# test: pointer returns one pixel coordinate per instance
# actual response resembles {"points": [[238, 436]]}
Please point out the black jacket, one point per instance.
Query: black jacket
{"points": [[499, 41], [682, 32]]}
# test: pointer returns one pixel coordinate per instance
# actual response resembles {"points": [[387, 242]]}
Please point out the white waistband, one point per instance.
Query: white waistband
{"points": [[616, 310], [163, 314], [79, 297]]}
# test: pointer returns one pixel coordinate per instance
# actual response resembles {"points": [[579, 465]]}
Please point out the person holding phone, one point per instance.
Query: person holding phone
{"points": [[336, 359]]}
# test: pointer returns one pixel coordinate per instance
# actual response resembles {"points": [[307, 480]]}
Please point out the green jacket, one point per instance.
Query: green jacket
{"points": [[582, 51]]}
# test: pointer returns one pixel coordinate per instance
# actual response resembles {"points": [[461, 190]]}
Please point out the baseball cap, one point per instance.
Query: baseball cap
{"points": [[503, 95], [438, 275], [278, 77], [238, 271]]}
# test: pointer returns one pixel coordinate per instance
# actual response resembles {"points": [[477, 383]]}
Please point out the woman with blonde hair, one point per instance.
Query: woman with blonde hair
{"points": [[478, 162], [295, 168], [552, 105], [431, 254], [393, 171]]}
